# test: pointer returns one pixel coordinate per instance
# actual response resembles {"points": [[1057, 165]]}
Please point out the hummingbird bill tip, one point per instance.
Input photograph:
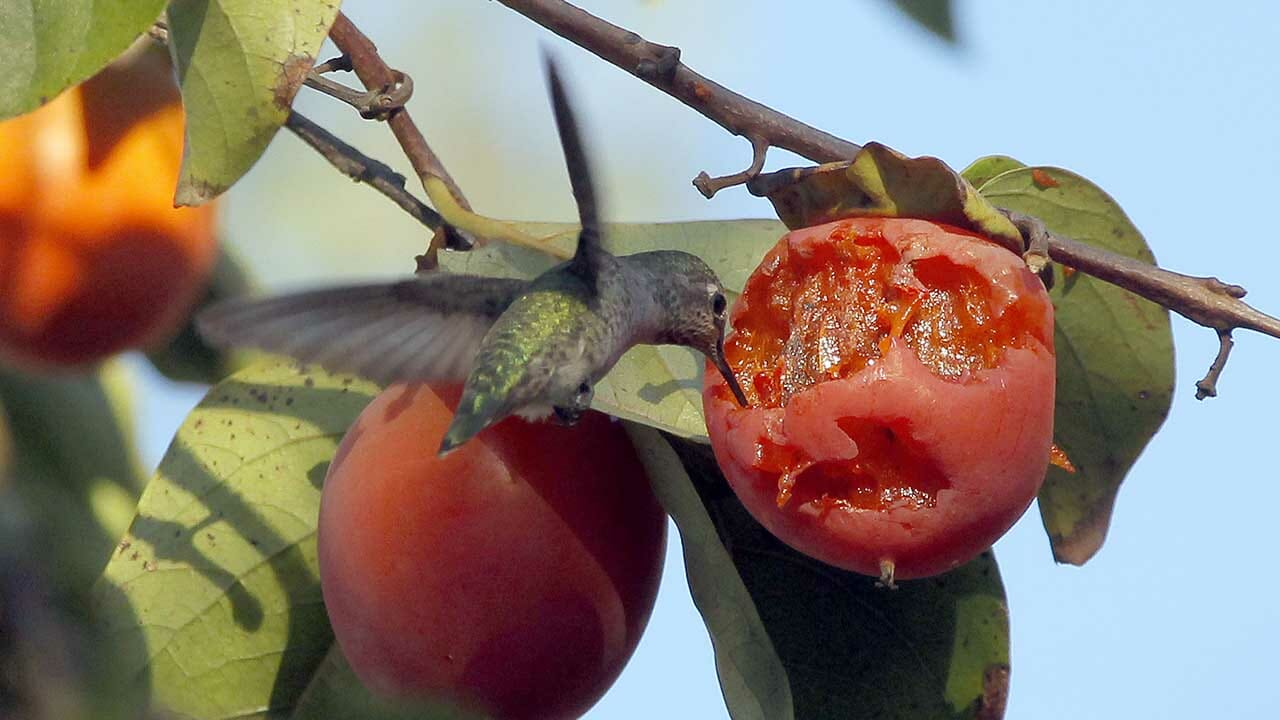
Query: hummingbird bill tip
{"points": [[729, 377]]}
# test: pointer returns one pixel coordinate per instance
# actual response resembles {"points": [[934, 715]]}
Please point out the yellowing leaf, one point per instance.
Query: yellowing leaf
{"points": [[881, 182], [240, 63]]}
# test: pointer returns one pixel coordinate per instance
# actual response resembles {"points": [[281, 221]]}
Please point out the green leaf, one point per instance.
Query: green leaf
{"points": [[74, 466], [240, 63], [71, 485], [336, 692], [215, 583], [933, 648], [985, 168], [752, 677], [187, 357], [932, 15], [1115, 359], [46, 47], [881, 182], [657, 386]]}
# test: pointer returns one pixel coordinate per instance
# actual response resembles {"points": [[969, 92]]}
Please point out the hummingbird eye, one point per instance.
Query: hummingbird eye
{"points": [[718, 304]]}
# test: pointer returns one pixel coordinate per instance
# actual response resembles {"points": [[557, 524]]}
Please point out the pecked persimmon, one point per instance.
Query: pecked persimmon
{"points": [[901, 383], [513, 575], [94, 258]]}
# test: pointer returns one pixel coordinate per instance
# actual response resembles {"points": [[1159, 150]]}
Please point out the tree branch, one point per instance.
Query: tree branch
{"points": [[362, 168], [660, 66], [376, 76], [1205, 301], [441, 189]]}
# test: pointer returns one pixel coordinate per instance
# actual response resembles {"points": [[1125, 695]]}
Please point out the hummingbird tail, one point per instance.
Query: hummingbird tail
{"points": [[475, 413]]}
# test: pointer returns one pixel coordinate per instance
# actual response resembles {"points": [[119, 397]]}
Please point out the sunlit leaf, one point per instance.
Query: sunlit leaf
{"points": [[933, 648], [240, 63], [216, 581], [932, 15], [46, 47], [657, 386], [752, 677], [336, 692], [1115, 358], [187, 357], [985, 168], [68, 493], [881, 182], [74, 466]]}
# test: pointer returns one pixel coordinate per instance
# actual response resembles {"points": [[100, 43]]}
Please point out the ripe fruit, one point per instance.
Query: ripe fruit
{"points": [[901, 378], [94, 258], [514, 574]]}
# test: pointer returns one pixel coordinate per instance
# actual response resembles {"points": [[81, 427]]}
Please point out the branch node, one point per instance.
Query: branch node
{"points": [[372, 104], [341, 63], [1215, 285], [709, 186], [663, 67], [379, 105], [1207, 386]]}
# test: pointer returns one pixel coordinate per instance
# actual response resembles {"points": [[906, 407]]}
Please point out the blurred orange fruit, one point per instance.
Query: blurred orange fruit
{"points": [[94, 258]]}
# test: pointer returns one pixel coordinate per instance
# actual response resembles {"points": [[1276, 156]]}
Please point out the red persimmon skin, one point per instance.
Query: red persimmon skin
{"points": [[514, 575], [976, 440]]}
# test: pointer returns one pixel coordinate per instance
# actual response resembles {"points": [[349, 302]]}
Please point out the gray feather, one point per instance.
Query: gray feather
{"points": [[428, 328], [587, 259]]}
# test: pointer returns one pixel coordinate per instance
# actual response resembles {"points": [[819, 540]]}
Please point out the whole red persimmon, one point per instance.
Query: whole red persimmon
{"points": [[94, 258], [901, 379], [513, 575]]}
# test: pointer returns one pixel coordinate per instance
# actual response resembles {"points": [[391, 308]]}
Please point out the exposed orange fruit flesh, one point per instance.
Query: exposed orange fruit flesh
{"points": [[829, 313], [1058, 458]]}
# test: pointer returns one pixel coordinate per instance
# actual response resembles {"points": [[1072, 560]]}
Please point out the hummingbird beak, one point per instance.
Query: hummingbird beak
{"points": [[722, 365]]}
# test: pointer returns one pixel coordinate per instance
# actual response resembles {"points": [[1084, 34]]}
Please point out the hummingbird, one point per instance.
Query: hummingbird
{"points": [[534, 348]]}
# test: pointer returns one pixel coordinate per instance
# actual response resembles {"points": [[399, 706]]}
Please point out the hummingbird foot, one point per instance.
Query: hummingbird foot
{"points": [[566, 416], [581, 402]]}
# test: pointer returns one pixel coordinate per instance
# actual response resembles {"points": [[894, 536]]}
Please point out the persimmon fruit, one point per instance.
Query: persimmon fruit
{"points": [[513, 575], [94, 258], [901, 383]]}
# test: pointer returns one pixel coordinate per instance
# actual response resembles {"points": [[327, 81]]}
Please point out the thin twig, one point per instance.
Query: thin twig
{"points": [[1205, 301], [376, 75], [441, 189], [371, 104], [362, 168], [1208, 385], [660, 66]]}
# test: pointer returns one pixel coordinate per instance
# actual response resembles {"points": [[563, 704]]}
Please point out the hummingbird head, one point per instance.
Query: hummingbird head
{"points": [[694, 308]]}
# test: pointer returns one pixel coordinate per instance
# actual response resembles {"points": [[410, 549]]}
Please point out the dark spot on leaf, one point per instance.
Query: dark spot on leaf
{"points": [[309, 382], [149, 566], [134, 556]]}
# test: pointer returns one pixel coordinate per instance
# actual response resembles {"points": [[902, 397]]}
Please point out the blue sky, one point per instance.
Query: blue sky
{"points": [[1172, 107]]}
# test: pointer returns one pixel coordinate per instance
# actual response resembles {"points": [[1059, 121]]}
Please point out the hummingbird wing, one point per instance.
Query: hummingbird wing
{"points": [[428, 328], [586, 260]]}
